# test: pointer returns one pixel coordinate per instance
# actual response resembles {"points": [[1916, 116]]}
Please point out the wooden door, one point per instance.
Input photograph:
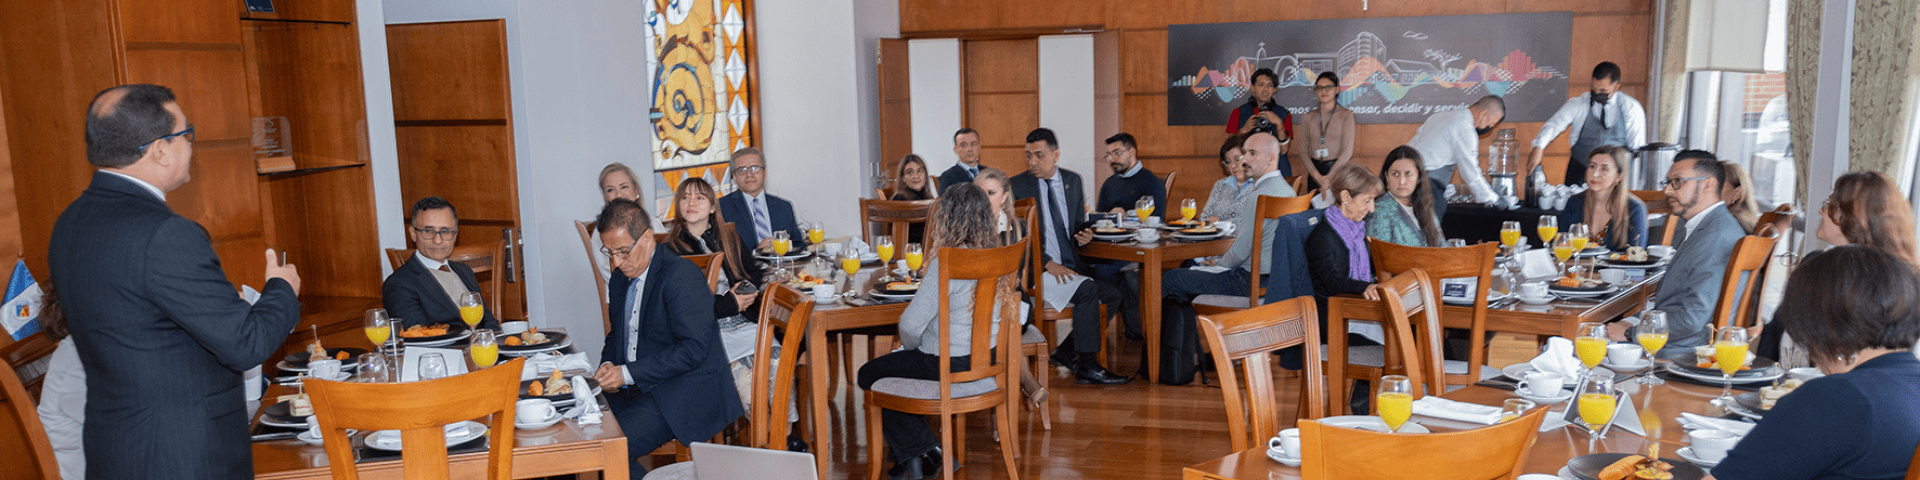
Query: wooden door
{"points": [[1002, 101], [453, 114], [896, 105]]}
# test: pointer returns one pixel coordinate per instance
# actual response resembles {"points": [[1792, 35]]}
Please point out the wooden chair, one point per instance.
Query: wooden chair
{"points": [[593, 261], [1046, 318], [1409, 303], [1036, 345], [1656, 201], [896, 216], [1389, 259], [29, 453], [481, 257], [1266, 208], [783, 309], [1913, 468], [1250, 337], [989, 382], [420, 410], [1498, 452], [1169, 189], [1749, 260], [29, 355], [1298, 182]]}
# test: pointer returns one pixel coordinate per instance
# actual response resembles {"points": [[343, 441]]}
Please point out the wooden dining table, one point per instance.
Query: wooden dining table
{"points": [[1552, 449], [1561, 317], [1155, 258], [838, 315]]}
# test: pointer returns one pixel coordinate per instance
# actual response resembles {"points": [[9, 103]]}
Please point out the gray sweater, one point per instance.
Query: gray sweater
{"points": [[922, 318]]}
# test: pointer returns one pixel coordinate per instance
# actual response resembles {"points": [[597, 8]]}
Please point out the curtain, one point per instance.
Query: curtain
{"points": [[1803, 66], [1673, 74], [1883, 74]]}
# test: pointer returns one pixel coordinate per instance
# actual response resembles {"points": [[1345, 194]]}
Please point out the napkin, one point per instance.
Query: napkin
{"points": [[1696, 422], [1060, 294], [585, 409], [1437, 407], [1558, 358], [1210, 268], [859, 246], [1538, 264], [543, 364], [1623, 416]]}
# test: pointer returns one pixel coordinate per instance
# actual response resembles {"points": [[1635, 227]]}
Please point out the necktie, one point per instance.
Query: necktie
{"points": [[973, 172], [633, 319], [760, 225], [1058, 221]]}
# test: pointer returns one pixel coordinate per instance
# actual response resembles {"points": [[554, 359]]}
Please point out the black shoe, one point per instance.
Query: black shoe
{"points": [[795, 444], [1096, 375], [1063, 357], [911, 469], [932, 461]]}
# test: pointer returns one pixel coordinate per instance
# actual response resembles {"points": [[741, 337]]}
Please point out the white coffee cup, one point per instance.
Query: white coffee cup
{"points": [[1103, 223], [1804, 373], [1613, 275], [1153, 221], [1146, 235], [1287, 443], [1624, 354], [1542, 384], [823, 292], [328, 369], [534, 410], [1710, 444], [833, 249], [1534, 290], [513, 328]]}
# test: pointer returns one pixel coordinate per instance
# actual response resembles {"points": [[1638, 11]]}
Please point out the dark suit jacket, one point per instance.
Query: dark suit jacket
{"points": [[1328, 264], [680, 361], [1025, 185], [163, 335], [779, 217], [412, 295], [955, 175]]}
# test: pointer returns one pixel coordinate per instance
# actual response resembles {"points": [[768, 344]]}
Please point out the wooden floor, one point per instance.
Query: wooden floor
{"points": [[1136, 430]]}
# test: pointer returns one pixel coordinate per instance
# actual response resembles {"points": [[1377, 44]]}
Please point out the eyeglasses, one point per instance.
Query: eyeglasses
{"points": [[433, 234], [749, 169], [1325, 87], [188, 133], [1111, 154], [619, 254], [1674, 183]]}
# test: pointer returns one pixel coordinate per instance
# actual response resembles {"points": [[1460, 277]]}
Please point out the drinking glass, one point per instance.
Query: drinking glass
{"points": [[1730, 350], [1510, 233], [782, 243], [1143, 208], [816, 233], [883, 246], [1549, 226], [1578, 234], [470, 309], [850, 263], [1591, 345], [1652, 335], [1187, 211], [1513, 408], [374, 369], [433, 366], [914, 258], [378, 326], [1563, 250], [1596, 404], [485, 349], [1395, 401]]}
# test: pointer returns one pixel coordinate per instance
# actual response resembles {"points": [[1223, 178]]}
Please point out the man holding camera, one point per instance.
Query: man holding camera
{"points": [[1262, 114]]}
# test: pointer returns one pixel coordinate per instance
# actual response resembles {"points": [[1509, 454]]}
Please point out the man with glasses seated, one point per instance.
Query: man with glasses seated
{"points": [[663, 368], [757, 213], [1702, 248], [1062, 208], [426, 290]]}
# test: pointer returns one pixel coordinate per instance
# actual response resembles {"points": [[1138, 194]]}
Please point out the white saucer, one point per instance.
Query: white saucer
{"points": [[1687, 454], [1566, 473], [307, 436], [1639, 364], [1519, 371], [557, 417], [1282, 458], [1564, 395]]}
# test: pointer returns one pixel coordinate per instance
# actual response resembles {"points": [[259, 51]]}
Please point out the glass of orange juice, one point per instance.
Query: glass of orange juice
{"points": [[816, 233], [850, 262], [378, 327], [1652, 335], [470, 309], [1597, 404], [485, 349], [1187, 210], [1549, 226], [914, 258], [1591, 345], [1395, 401], [1563, 250], [1143, 208], [883, 246], [1730, 351]]}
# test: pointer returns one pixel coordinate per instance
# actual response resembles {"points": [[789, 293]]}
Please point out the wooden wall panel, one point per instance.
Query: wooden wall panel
{"points": [[10, 240], [180, 21], [218, 195], [300, 72], [896, 105], [1616, 30], [424, 74], [1007, 117], [245, 262], [1012, 160], [1002, 65], [458, 163], [311, 231], [314, 10], [210, 85]]}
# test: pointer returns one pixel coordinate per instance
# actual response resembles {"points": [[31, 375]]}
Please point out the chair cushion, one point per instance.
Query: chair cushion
{"points": [[674, 471], [1223, 301], [930, 389], [1376, 356], [1032, 335]]}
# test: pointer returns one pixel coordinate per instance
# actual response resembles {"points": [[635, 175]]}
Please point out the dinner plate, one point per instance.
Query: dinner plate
{"points": [[1519, 371], [1370, 423], [458, 433], [273, 421], [896, 291], [1650, 261], [1283, 458], [1563, 396], [889, 296], [298, 360], [1198, 237], [1179, 223], [455, 332], [1751, 402], [1587, 467], [1592, 252], [528, 353], [1113, 231], [557, 417], [767, 254], [1717, 380], [282, 410], [554, 340], [1760, 367], [556, 399], [1687, 453], [1602, 290]]}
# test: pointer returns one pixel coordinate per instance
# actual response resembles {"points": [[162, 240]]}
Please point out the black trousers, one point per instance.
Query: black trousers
{"points": [[646, 428], [1087, 300], [907, 435]]}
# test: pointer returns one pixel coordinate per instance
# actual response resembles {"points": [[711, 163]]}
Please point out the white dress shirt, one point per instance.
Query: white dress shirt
{"points": [[1694, 222], [639, 287], [1448, 138], [1620, 110], [142, 183]]}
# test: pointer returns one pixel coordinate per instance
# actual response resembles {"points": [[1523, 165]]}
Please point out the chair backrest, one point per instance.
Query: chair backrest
{"points": [[593, 261], [1913, 468], [1249, 337], [1268, 208], [1472, 261], [1499, 451], [896, 215], [1169, 182], [22, 438], [1656, 201], [1023, 212], [1298, 182], [1749, 259], [29, 358], [1782, 212], [420, 410], [782, 309], [1410, 301], [481, 257], [987, 266], [709, 263]]}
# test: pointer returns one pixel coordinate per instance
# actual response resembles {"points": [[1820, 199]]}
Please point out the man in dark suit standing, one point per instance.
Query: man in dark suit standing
{"points": [[426, 290], [163, 335], [966, 147], [1062, 206], [663, 368], [758, 213]]}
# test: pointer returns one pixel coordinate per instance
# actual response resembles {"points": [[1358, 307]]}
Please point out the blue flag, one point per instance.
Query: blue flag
{"points": [[22, 307]]}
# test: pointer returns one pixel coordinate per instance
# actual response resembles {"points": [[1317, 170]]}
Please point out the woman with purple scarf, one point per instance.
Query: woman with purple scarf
{"points": [[1337, 248]]}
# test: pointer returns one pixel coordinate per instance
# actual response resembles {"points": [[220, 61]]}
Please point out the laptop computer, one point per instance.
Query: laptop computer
{"points": [[728, 462]]}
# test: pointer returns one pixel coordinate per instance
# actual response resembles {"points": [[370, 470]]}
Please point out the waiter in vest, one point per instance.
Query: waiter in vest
{"points": [[1601, 117]]}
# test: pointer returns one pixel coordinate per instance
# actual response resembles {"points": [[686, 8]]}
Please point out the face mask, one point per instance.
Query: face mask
{"points": [[1602, 97], [1482, 131]]}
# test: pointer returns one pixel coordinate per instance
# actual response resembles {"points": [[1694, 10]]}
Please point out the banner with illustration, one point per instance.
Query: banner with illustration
{"points": [[1392, 70]]}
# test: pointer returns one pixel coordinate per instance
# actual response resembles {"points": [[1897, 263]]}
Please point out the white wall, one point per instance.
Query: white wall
{"points": [[810, 109], [1066, 105], [933, 73], [873, 20], [383, 149]]}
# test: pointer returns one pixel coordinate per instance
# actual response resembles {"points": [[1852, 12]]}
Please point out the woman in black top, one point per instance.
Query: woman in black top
{"points": [[696, 230], [1337, 257]]}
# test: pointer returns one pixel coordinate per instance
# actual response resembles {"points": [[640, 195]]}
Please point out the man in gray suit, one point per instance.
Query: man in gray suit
{"points": [[1691, 287]]}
